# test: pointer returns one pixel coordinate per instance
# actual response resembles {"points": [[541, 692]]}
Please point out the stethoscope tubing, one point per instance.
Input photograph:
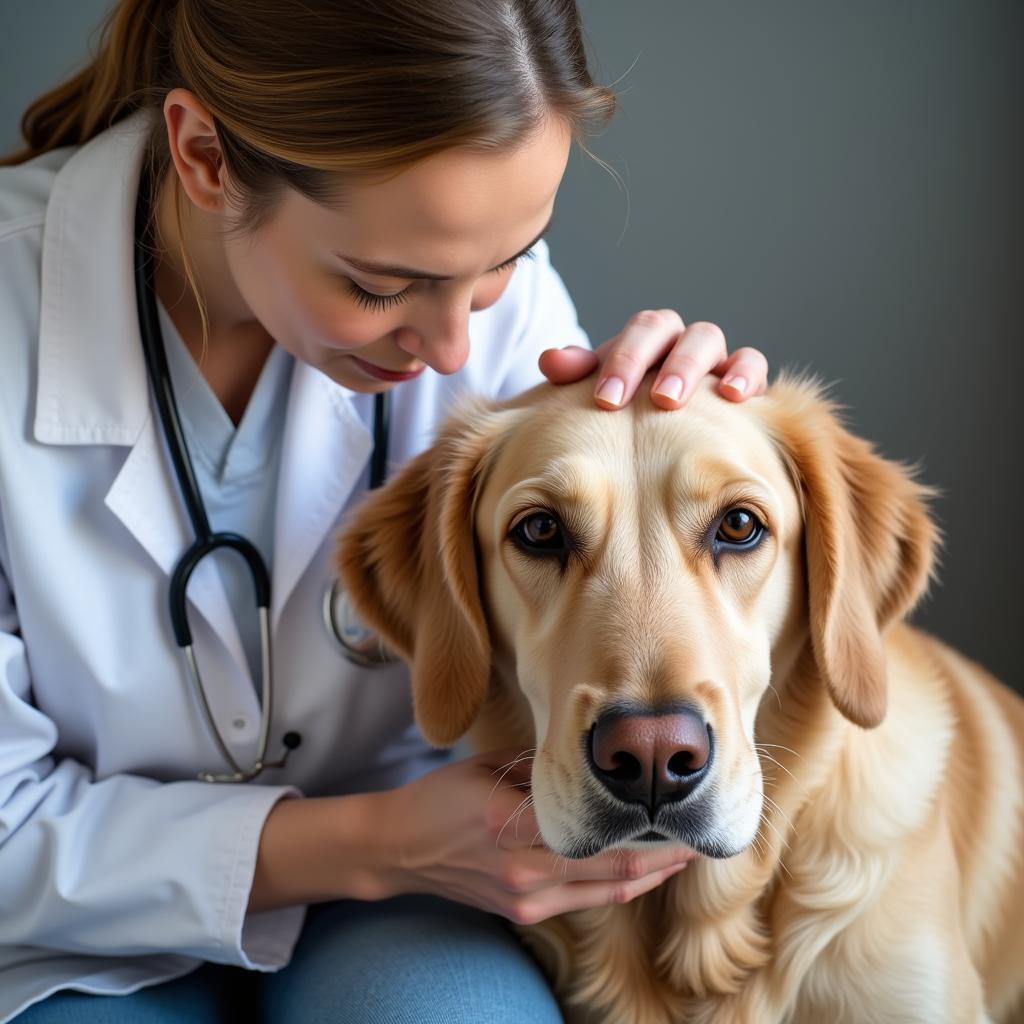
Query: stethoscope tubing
{"points": [[381, 429], [156, 363], [206, 540]]}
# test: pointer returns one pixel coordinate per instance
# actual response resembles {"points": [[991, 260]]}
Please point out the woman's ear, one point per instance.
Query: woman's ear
{"points": [[869, 544], [195, 149], [408, 560]]}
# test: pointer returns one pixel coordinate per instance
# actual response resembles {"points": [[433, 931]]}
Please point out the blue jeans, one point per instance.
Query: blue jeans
{"points": [[411, 960]]}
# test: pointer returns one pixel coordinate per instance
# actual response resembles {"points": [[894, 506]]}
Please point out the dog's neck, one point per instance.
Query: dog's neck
{"points": [[728, 905]]}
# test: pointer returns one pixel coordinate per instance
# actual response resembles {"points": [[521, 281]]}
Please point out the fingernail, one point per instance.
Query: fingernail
{"points": [[737, 383], [671, 387], [611, 391]]}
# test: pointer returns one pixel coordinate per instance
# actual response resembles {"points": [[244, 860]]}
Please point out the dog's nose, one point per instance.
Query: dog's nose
{"points": [[650, 759]]}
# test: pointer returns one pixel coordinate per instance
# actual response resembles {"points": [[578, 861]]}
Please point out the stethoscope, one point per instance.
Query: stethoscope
{"points": [[359, 644]]}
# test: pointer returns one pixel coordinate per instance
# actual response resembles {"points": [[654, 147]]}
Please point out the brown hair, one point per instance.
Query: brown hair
{"points": [[301, 90]]}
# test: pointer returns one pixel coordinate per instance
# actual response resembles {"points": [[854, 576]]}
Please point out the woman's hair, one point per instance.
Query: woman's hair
{"points": [[303, 92]]}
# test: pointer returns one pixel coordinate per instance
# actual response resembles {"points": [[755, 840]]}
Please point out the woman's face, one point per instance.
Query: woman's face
{"points": [[382, 287]]}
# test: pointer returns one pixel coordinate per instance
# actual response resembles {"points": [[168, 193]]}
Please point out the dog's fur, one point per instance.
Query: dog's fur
{"points": [[864, 824]]}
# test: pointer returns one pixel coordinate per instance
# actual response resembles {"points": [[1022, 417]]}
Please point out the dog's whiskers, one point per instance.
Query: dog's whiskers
{"points": [[520, 811], [523, 755], [779, 859], [759, 844], [517, 813], [783, 842], [777, 697], [778, 746], [520, 758], [765, 754], [563, 863], [781, 812]]}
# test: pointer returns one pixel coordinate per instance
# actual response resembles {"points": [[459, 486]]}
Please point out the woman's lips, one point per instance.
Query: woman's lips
{"points": [[390, 375]]}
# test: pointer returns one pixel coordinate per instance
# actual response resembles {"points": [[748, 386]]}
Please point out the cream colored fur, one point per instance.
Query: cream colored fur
{"points": [[869, 782]]}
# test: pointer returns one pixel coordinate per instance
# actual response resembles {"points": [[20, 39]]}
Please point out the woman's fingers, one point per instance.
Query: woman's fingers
{"points": [[566, 365], [658, 336], [744, 373], [642, 344], [698, 351], [562, 899], [535, 869]]}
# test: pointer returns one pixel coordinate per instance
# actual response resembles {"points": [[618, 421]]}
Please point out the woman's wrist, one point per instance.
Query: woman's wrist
{"points": [[314, 849]]}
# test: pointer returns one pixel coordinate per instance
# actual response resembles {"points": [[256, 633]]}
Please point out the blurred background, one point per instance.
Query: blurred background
{"points": [[836, 184]]}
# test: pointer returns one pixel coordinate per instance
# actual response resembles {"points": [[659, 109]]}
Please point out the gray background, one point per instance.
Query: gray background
{"points": [[836, 184]]}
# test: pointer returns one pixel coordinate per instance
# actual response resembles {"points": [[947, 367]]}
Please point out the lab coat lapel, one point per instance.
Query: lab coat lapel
{"points": [[326, 448], [92, 386], [146, 498]]}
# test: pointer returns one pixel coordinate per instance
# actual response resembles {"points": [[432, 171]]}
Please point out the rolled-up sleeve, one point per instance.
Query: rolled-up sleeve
{"points": [[123, 865]]}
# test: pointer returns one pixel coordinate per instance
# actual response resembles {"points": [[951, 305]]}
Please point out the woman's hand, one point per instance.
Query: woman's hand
{"points": [[653, 336], [467, 832]]}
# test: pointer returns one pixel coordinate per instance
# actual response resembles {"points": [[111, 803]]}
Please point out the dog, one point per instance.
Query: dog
{"points": [[697, 619]]}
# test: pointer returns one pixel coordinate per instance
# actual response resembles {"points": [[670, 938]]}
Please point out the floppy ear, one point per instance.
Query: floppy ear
{"points": [[869, 545], [408, 561]]}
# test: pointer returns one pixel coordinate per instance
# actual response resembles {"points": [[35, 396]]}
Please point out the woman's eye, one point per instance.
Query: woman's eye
{"points": [[378, 303], [540, 533], [511, 264], [739, 526], [373, 301]]}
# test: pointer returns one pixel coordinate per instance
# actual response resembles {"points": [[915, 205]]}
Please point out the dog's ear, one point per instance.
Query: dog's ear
{"points": [[408, 560], [869, 544]]}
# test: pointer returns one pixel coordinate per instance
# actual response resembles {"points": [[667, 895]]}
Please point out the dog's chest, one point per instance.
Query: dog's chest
{"points": [[847, 987]]}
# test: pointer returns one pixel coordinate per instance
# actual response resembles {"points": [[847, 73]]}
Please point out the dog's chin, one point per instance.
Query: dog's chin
{"points": [[629, 827]]}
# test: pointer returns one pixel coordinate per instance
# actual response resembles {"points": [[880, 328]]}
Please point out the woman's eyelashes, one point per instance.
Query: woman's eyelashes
{"points": [[372, 300], [375, 302], [510, 264]]}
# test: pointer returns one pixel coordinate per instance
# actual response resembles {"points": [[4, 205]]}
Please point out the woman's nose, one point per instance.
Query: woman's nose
{"points": [[442, 344]]}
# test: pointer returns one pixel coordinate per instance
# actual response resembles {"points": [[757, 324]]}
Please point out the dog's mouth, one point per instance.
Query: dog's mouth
{"points": [[650, 836], [691, 824]]}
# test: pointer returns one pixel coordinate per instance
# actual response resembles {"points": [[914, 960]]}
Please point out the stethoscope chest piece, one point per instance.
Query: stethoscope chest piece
{"points": [[360, 644]]}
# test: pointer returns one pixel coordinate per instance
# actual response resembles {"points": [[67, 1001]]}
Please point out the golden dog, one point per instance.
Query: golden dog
{"points": [[696, 619]]}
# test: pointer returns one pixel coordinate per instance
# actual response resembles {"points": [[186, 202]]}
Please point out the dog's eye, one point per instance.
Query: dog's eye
{"points": [[739, 526], [540, 532]]}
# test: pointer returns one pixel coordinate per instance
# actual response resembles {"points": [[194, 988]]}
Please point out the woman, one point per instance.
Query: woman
{"points": [[345, 199]]}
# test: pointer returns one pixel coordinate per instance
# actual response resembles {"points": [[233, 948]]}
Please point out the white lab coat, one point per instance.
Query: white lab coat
{"points": [[117, 868]]}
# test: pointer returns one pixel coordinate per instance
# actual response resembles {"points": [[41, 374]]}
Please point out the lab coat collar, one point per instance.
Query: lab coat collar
{"points": [[92, 377], [93, 388]]}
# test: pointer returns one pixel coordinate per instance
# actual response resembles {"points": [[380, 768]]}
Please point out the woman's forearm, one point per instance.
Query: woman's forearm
{"points": [[322, 848]]}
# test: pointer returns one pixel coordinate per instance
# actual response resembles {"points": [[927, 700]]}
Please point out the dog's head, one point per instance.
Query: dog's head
{"points": [[633, 583]]}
